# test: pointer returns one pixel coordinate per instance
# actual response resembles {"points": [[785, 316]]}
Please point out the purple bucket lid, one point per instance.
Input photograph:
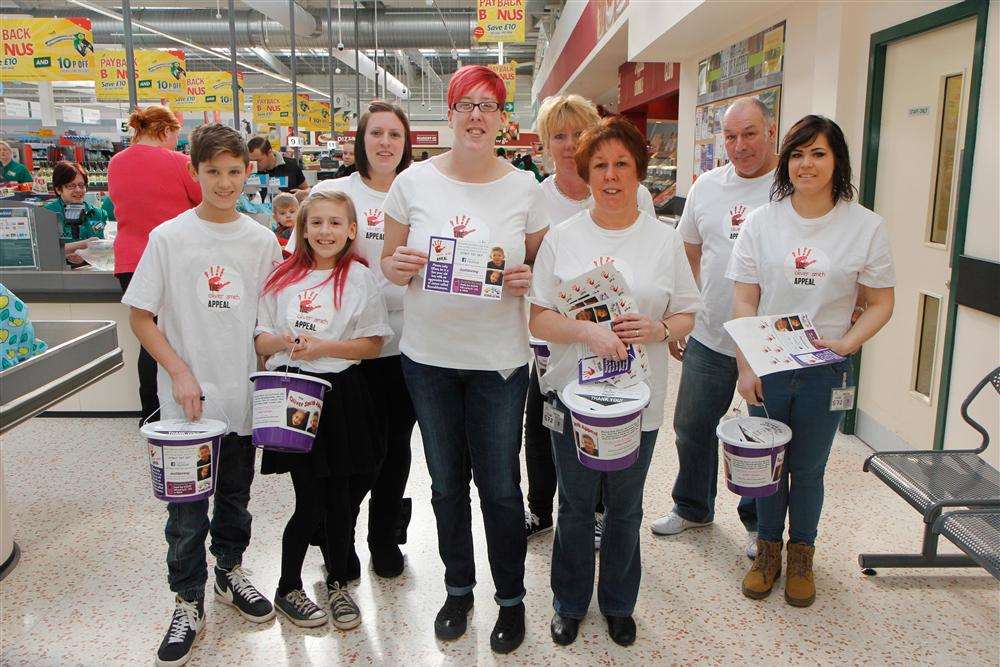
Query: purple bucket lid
{"points": [[291, 376], [182, 429]]}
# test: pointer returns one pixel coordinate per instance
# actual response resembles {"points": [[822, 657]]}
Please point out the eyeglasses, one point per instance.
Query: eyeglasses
{"points": [[75, 186], [489, 106]]}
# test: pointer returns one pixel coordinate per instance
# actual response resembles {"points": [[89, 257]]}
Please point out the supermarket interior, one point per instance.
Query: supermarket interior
{"points": [[462, 267]]}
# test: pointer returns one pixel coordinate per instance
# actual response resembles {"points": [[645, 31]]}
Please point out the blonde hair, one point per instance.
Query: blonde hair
{"points": [[7, 146], [303, 215], [559, 111], [284, 200]]}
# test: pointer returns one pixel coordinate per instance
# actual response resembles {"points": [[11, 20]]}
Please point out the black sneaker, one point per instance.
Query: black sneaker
{"points": [[233, 588], [185, 627], [344, 611], [534, 526], [453, 618], [508, 633], [299, 609]]}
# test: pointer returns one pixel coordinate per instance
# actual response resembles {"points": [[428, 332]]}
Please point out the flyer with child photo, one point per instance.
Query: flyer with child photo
{"points": [[464, 267], [776, 343]]}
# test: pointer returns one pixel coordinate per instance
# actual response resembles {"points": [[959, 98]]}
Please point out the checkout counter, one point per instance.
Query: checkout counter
{"points": [[78, 315]]}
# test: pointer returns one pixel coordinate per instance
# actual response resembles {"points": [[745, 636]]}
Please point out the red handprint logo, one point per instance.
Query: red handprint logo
{"points": [[214, 276], [801, 256], [589, 372], [737, 215], [602, 260], [438, 246], [306, 304], [373, 217], [460, 226]]}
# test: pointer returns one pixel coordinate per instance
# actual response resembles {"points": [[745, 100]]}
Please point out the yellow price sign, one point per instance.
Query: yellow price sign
{"points": [[46, 49], [499, 21], [341, 122], [507, 72], [276, 108], [319, 116], [209, 91], [158, 75]]}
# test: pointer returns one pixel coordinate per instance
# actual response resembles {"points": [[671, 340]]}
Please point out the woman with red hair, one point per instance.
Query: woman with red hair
{"points": [[465, 359]]}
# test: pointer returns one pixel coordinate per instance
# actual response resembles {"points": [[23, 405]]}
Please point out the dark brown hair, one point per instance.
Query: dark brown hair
{"points": [[259, 144], [207, 141], [65, 173], [360, 156], [154, 121], [803, 133], [610, 128]]}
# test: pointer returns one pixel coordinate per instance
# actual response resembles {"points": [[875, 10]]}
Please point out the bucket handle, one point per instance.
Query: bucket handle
{"points": [[205, 400], [287, 376], [738, 410]]}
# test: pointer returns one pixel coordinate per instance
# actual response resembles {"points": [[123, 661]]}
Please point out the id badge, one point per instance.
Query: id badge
{"points": [[552, 417]]}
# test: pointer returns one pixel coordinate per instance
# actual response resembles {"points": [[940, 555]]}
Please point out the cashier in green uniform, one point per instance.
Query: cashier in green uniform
{"points": [[12, 169], [80, 221]]}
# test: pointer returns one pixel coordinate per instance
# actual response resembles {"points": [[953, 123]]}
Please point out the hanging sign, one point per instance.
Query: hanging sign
{"points": [[342, 122], [499, 21], [209, 91], [272, 108], [507, 72], [56, 49], [158, 75], [319, 116]]}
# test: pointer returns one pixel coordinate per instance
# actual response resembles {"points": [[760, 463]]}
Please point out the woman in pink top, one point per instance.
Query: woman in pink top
{"points": [[149, 183]]}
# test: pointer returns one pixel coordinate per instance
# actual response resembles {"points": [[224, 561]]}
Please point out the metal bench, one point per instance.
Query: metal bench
{"points": [[932, 481]]}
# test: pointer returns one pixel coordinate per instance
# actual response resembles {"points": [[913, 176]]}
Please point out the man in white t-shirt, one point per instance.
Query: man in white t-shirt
{"points": [[717, 205]]}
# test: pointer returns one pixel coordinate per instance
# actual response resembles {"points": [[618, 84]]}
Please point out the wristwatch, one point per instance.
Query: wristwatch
{"points": [[666, 330]]}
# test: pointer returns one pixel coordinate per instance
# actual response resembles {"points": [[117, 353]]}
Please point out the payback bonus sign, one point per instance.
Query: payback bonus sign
{"points": [[499, 21], [46, 49]]}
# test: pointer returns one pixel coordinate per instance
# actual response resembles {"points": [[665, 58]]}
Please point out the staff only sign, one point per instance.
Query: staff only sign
{"points": [[46, 49], [499, 21]]}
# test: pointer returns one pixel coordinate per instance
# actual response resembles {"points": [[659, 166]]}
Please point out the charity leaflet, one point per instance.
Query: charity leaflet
{"points": [[464, 267], [775, 343], [601, 295]]}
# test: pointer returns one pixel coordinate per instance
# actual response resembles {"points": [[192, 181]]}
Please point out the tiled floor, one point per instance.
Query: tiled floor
{"points": [[90, 588]]}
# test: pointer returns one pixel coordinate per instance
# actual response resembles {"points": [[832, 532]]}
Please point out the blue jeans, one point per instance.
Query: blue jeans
{"points": [[800, 399], [188, 524], [470, 422], [708, 381], [573, 547]]}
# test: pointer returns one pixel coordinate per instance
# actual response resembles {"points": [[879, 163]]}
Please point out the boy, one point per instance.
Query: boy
{"points": [[284, 208], [201, 275]]}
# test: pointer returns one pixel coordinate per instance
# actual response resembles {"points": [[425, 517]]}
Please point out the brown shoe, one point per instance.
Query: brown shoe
{"points": [[800, 588], [759, 581]]}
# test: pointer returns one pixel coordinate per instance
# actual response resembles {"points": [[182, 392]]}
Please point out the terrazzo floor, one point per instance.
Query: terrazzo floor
{"points": [[90, 588]]}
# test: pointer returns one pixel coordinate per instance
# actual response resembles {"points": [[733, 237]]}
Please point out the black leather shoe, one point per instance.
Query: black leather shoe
{"points": [[564, 630], [508, 633], [387, 561], [621, 629], [453, 618]]}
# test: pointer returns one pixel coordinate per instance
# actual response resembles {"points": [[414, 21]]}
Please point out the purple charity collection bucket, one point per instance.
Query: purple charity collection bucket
{"points": [[286, 410], [541, 350], [753, 450], [607, 422], [184, 458]]}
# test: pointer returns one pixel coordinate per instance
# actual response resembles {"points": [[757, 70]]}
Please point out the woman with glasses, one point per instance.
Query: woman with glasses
{"points": [[465, 358], [79, 220]]}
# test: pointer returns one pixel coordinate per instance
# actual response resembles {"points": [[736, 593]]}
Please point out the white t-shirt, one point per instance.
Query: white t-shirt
{"points": [[650, 255], [463, 332], [371, 234], [717, 205], [813, 266], [307, 307], [560, 207], [203, 280]]}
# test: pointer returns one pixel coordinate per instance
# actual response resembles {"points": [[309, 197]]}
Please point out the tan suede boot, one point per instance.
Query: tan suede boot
{"points": [[800, 588], [759, 581]]}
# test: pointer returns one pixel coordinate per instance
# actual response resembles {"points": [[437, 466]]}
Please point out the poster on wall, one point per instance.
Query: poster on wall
{"points": [[748, 65], [51, 49], [500, 21], [661, 174], [709, 142]]}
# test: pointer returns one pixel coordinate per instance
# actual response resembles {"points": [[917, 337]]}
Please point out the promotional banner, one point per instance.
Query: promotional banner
{"points": [[507, 72], [319, 116], [342, 122], [158, 75], [46, 49], [272, 108], [209, 91], [499, 21]]}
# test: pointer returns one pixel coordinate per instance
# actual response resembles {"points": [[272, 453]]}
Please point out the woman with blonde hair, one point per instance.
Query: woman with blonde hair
{"points": [[149, 183]]}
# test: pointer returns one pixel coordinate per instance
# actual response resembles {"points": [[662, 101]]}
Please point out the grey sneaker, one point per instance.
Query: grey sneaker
{"points": [[344, 611], [185, 627], [598, 530], [299, 609], [232, 587], [533, 526]]}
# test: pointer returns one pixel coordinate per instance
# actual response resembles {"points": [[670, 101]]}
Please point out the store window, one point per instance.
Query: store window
{"points": [[950, 121], [930, 307]]}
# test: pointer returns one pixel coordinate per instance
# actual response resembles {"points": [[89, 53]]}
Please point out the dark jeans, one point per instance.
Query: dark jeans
{"points": [[538, 453], [385, 379], [146, 366], [801, 399], [188, 524], [573, 547], [708, 380], [470, 421]]}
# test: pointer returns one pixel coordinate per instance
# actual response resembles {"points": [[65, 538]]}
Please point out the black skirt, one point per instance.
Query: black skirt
{"points": [[350, 439]]}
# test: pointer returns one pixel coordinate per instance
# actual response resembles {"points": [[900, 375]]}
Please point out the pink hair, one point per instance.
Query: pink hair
{"points": [[470, 77], [303, 261]]}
